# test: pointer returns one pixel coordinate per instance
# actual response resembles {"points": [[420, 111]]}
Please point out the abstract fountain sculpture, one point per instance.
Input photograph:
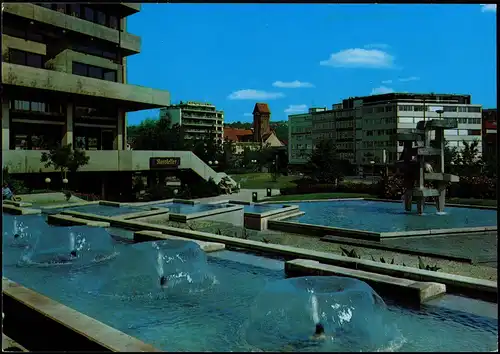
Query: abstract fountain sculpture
{"points": [[77, 247], [156, 269], [286, 312], [416, 171]]}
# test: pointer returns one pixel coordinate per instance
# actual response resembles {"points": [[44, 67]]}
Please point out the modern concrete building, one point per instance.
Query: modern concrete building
{"points": [[363, 127], [199, 120], [300, 138], [65, 82]]}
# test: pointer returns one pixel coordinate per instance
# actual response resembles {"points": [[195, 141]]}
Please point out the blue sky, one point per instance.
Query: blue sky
{"points": [[295, 56]]}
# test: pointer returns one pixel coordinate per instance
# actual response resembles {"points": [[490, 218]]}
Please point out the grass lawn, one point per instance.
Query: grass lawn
{"points": [[471, 201], [263, 180], [319, 196]]}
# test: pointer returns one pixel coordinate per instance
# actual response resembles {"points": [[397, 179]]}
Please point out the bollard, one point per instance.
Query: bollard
{"points": [[268, 190], [254, 197]]}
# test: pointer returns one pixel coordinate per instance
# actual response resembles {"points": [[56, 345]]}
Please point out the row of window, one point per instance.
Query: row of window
{"points": [[460, 109], [32, 106], [414, 120], [372, 144], [380, 132], [420, 108], [95, 72], [86, 13], [462, 132], [20, 57]]}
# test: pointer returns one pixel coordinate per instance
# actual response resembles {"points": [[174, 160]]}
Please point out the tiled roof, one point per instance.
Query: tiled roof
{"points": [[235, 134], [261, 108]]}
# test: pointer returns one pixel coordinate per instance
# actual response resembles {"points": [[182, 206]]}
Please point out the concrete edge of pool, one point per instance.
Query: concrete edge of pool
{"points": [[41, 323], [409, 291], [216, 211], [473, 287]]}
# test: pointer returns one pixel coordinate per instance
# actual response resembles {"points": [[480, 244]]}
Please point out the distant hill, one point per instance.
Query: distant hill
{"points": [[280, 127]]}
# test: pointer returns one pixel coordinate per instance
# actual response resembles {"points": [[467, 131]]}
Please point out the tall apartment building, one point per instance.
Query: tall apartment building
{"points": [[362, 127], [199, 120]]}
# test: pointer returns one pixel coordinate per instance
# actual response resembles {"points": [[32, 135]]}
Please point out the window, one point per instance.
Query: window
{"points": [[113, 22], [405, 119], [462, 109], [474, 109], [369, 133], [75, 10], [450, 132], [418, 108], [20, 57], [88, 14], [61, 8], [79, 69], [34, 60], [476, 132], [388, 109], [450, 108], [95, 72], [44, 4], [110, 75], [406, 108], [17, 57], [101, 18]]}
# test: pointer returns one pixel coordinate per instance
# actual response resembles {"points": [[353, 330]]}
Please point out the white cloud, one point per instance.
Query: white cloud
{"points": [[250, 94], [411, 78], [381, 90], [248, 114], [377, 46], [292, 84], [488, 7], [359, 58], [296, 108], [386, 82]]}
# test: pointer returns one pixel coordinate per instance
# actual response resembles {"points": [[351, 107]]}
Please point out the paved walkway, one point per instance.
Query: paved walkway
{"points": [[244, 195]]}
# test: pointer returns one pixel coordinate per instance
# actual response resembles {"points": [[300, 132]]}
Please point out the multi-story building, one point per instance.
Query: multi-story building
{"points": [[199, 120], [362, 127], [64, 82], [489, 133], [383, 115], [300, 140]]}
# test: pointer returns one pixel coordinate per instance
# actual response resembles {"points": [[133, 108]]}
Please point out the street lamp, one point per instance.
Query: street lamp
{"points": [[47, 180], [439, 111], [373, 170]]}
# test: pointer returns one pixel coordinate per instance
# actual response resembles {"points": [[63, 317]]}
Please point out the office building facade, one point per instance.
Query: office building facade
{"points": [[363, 127], [198, 120]]}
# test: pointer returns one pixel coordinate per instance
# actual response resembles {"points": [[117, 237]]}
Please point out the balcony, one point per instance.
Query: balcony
{"points": [[134, 97], [125, 40]]}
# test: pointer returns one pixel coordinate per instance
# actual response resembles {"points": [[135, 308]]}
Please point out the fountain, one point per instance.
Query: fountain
{"points": [[156, 269], [416, 171], [21, 233], [78, 246], [324, 313]]}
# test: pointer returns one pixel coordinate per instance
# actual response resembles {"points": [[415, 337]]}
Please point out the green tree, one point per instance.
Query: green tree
{"points": [[65, 159], [323, 165], [156, 134]]}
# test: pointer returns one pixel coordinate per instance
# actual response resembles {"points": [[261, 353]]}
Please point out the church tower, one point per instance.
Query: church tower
{"points": [[261, 121]]}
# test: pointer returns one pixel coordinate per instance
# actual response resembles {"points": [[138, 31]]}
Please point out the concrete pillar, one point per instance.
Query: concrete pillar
{"points": [[420, 205], [120, 131], [68, 127], [5, 124], [440, 143]]}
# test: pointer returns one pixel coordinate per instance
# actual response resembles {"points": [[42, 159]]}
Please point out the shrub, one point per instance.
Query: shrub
{"points": [[479, 187], [390, 187]]}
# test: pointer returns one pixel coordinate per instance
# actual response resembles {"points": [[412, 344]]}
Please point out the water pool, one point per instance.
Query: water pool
{"points": [[388, 216], [216, 319], [181, 208]]}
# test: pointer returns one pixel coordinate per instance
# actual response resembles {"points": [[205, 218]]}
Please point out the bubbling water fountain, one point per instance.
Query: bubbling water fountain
{"points": [[158, 269], [320, 314], [17, 233], [77, 246]]}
